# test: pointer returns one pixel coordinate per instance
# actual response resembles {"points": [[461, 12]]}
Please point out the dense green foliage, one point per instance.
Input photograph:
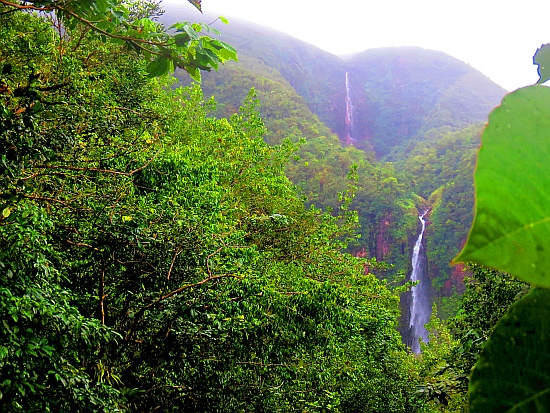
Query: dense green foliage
{"points": [[157, 253], [321, 164], [158, 259], [133, 25], [487, 297], [440, 166], [448, 359]]}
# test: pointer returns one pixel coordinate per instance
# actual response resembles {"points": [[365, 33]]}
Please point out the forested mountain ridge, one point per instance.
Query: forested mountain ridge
{"points": [[397, 93], [405, 101], [401, 93], [316, 75]]}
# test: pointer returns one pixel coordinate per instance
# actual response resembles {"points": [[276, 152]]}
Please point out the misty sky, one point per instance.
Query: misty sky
{"points": [[498, 38]]}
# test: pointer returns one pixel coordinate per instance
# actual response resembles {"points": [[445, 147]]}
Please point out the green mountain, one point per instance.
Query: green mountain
{"points": [[408, 113], [395, 93], [400, 93], [317, 76]]}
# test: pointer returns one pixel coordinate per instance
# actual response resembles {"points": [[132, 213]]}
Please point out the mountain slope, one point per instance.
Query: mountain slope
{"points": [[411, 106], [396, 93], [402, 92], [314, 74]]}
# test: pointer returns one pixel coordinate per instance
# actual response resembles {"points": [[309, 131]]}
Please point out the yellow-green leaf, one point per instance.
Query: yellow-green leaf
{"points": [[511, 229]]}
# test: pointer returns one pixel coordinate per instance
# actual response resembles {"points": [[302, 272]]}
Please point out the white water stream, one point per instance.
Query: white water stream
{"points": [[421, 308], [349, 113]]}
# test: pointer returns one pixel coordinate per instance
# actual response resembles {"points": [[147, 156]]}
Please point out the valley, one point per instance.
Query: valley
{"points": [[277, 238], [410, 120]]}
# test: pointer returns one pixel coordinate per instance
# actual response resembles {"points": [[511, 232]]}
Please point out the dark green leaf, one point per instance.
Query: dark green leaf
{"points": [[194, 73], [513, 373], [158, 67], [181, 39], [207, 58]]}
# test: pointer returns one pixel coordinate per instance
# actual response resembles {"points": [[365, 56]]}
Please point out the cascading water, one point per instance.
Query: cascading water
{"points": [[421, 307], [349, 113]]}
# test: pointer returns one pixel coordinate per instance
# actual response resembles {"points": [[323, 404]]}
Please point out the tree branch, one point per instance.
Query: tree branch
{"points": [[81, 244], [53, 7], [170, 294], [24, 6], [178, 251], [102, 296], [134, 40], [91, 169], [43, 198]]}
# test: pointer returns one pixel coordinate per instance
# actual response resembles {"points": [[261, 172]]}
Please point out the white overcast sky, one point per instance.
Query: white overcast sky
{"points": [[497, 37]]}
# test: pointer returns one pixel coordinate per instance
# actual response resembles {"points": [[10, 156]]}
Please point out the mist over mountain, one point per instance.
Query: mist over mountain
{"points": [[396, 93], [402, 92]]}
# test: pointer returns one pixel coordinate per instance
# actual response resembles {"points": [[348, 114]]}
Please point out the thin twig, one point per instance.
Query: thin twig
{"points": [[102, 297], [81, 244], [208, 259], [25, 6], [266, 364], [43, 198], [178, 252]]}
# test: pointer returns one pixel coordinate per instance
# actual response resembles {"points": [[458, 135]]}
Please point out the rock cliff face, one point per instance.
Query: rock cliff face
{"points": [[386, 246], [383, 239], [455, 281]]}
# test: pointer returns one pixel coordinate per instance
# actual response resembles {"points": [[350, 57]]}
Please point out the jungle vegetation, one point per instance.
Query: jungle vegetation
{"points": [[159, 256]]}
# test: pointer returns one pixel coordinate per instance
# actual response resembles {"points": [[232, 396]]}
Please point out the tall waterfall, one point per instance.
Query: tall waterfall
{"points": [[349, 113], [420, 303]]}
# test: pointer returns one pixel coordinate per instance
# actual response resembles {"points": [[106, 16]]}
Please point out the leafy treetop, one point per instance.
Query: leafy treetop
{"points": [[190, 47]]}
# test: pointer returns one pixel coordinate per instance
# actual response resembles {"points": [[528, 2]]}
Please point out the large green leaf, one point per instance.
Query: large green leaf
{"points": [[511, 229], [513, 373], [158, 67]]}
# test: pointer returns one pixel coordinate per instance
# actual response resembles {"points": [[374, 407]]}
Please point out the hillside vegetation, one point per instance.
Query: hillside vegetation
{"points": [[418, 116], [157, 259], [161, 251]]}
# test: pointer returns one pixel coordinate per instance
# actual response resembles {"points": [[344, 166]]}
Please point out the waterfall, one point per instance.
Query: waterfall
{"points": [[349, 113], [420, 303]]}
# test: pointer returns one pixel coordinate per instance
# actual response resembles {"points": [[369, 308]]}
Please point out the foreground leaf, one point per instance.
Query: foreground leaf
{"points": [[513, 373], [511, 229]]}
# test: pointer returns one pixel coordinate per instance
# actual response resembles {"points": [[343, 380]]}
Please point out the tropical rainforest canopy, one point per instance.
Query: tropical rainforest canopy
{"points": [[160, 255]]}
